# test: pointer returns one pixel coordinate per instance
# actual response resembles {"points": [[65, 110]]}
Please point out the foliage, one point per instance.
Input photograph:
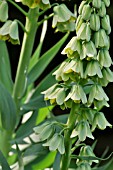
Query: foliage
{"points": [[32, 137]]}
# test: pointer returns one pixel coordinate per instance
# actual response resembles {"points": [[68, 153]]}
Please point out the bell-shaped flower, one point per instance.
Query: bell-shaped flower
{"points": [[101, 39], [56, 142], [107, 77], [43, 4], [9, 31], [44, 131], [87, 114], [3, 11], [100, 104], [86, 151], [100, 121], [104, 58], [89, 50], [63, 18], [49, 91], [55, 94], [59, 72], [77, 94], [93, 68], [84, 32], [69, 69], [97, 93], [73, 45], [82, 130]]}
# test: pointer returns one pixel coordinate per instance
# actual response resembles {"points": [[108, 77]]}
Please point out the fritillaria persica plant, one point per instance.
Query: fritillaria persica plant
{"points": [[43, 140]]}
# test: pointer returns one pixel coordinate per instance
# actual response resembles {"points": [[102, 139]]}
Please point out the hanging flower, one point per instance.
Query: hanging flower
{"points": [[56, 142], [63, 19], [100, 121], [3, 11], [82, 130], [9, 31], [86, 151]]}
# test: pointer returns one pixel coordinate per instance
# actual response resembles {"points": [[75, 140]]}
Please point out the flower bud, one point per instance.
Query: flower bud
{"points": [[86, 12], [95, 22], [97, 3]]}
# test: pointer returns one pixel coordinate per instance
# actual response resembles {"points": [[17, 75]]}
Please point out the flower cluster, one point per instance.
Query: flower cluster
{"points": [[86, 69], [47, 133]]}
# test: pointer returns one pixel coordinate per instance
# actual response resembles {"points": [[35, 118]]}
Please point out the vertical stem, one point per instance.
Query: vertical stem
{"points": [[68, 141], [26, 51], [20, 80]]}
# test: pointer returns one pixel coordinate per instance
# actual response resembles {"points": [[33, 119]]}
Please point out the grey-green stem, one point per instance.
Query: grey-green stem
{"points": [[66, 158], [26, 52]]}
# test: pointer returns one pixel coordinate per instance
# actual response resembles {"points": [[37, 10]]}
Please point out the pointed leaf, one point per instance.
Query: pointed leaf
{"points": [[5, 69], [7, 109], [3, 162], [45, 60]]}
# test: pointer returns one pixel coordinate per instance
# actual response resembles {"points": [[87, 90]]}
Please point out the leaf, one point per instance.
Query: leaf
{"points": [[25, 129], [107, 166], [42, 113], [34, 104], [5, 70], [35, 149], [42, 162], [37, 52], [3, 162], [56, 164], [7, 109], [45, 60], [48, 81]]}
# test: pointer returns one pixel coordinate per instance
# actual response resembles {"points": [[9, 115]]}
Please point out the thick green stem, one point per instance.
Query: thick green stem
{"points": [[26, 51], [5, 137], [68, 141]]}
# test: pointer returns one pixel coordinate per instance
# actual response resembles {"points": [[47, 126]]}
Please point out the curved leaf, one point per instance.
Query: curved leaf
{"points": [[7, 109], [44, 60], [3, 162], [5, 70]]}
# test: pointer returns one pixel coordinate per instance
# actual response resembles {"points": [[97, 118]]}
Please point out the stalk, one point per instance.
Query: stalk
{"points": [[18, 7], [25, 54], [26, 51], [68, 141]]}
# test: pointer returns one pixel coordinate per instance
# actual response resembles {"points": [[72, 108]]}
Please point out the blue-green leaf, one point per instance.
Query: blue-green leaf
{"points": [[7, 109], [45, 60], [56, 164], [3, 162], [5, 70]]}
